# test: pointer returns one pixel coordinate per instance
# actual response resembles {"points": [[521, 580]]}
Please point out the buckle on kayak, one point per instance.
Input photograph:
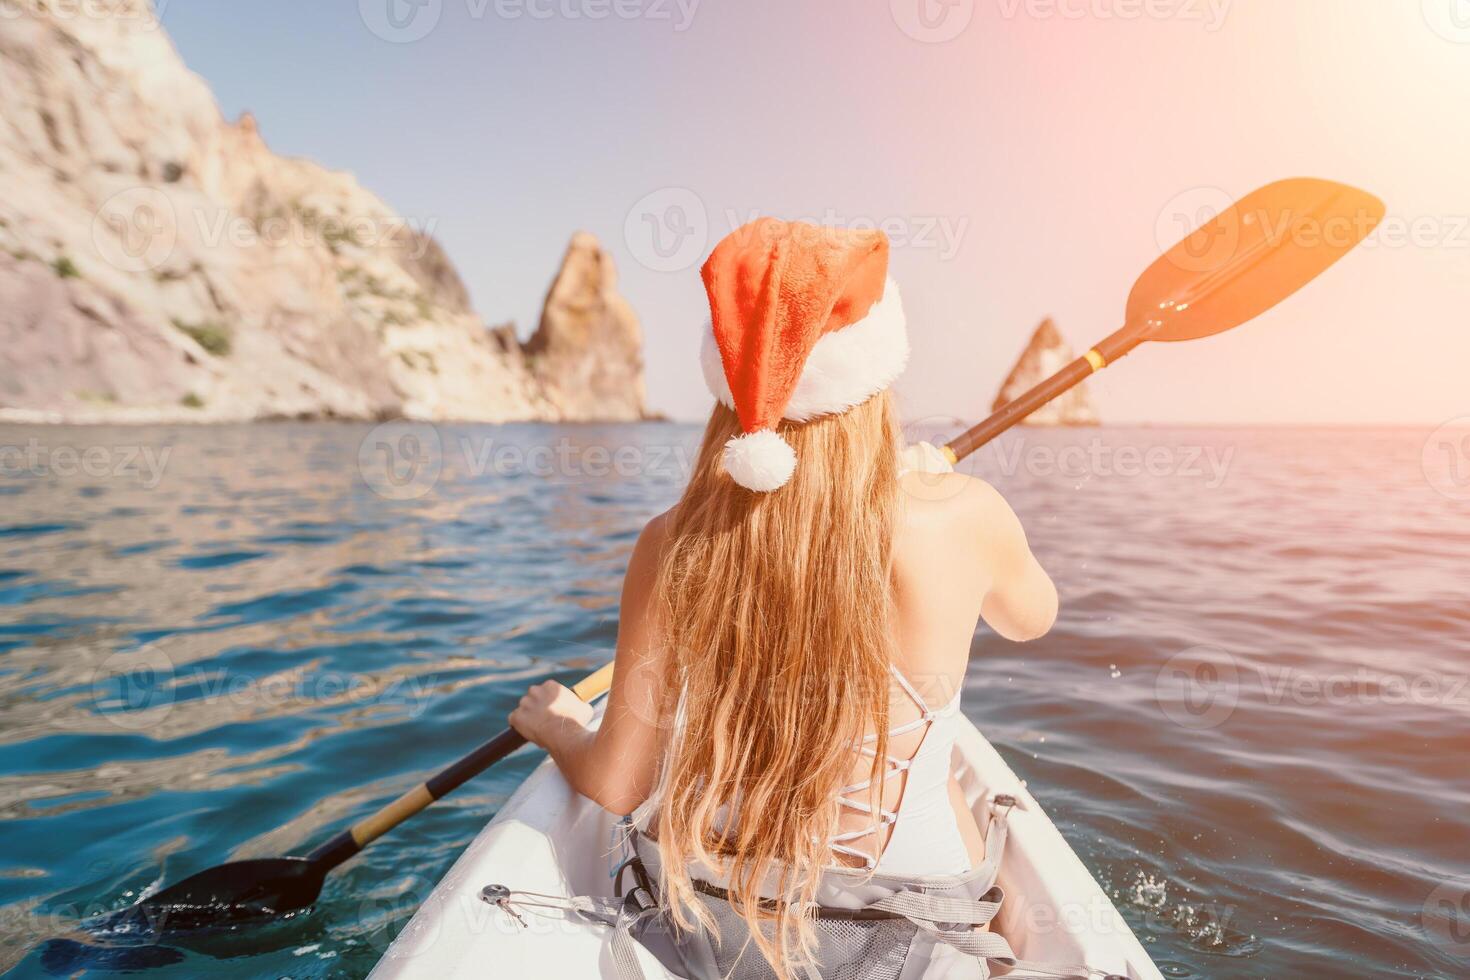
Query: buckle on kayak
{"points": [[499, 896], [1004, 803]]}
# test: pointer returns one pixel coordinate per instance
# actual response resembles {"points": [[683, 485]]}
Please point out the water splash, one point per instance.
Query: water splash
{"points": [[1205, 926]]}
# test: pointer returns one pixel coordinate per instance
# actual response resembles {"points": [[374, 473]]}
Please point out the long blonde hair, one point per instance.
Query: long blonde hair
{"points": [[775, 611]]}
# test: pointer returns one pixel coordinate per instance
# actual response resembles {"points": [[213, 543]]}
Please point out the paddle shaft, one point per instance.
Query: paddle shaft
{"points": [[364, 832], [1113, 347]]}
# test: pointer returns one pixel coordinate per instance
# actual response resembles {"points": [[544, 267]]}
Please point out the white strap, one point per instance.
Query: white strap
{"points": [[908, 688], [893, 767], [886, 818]]}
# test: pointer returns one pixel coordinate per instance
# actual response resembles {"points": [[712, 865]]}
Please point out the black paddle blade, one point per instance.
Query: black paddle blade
{"points": [[1250, 257], [69, 958], [228, 894]]}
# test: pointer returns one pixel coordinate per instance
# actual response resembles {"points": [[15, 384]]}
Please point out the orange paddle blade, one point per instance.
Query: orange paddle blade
{"points": [[1250, 257]]}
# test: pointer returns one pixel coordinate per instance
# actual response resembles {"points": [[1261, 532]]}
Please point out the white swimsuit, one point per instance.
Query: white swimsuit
{"points": [[926, 839]]}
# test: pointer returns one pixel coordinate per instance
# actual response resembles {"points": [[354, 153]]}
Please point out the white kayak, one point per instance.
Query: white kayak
{"points": [[549, 839]]}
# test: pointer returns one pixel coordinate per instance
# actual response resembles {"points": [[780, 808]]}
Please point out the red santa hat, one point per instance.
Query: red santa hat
{"points": [[804, 322]]}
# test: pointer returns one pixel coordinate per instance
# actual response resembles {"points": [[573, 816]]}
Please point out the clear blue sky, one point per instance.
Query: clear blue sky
{"points": [[1031, 155]]}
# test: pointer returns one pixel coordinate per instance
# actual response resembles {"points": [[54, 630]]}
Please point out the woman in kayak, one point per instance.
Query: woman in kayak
{"points": [[794, 634]]}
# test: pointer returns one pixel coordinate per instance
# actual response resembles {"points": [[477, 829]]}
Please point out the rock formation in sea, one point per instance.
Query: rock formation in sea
{"points": [[587, 350], [1046, 354], [160, 263]]}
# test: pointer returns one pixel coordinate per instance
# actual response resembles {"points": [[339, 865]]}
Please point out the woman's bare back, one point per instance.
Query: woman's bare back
{"points": [[960, 555]]}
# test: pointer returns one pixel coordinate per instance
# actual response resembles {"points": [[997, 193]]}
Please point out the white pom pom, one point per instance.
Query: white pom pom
{"points": [[760, 461]]}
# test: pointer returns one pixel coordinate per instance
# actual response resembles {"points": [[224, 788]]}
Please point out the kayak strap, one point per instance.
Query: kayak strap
{"points": [[628, 916]]}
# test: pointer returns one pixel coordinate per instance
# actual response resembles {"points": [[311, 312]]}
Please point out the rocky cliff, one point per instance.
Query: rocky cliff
{"points": [[1046, 354], [158, 262]]}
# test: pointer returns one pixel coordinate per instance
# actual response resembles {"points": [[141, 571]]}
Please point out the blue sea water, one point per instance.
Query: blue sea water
{"points": [[1251, 720]]}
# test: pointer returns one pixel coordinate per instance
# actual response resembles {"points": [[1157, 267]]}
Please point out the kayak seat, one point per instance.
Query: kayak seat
{"points": [[870, 925]]}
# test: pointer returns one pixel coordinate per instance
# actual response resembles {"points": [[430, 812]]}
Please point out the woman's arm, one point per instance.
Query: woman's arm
{"points": [[1022, 601], [617, 764]]}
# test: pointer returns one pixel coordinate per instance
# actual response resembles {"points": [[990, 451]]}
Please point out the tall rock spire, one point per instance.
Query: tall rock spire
{"points": [[587, 350], [1044, 355]]}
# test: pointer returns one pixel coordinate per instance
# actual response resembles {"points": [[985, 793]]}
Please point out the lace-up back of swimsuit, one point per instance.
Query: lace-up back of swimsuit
{"points": [[924, 838]]}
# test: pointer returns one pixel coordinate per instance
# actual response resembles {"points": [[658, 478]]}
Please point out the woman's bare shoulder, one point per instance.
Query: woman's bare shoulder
{"points": [[953, 499], [656, 532], [649, 551], [962, 516]]}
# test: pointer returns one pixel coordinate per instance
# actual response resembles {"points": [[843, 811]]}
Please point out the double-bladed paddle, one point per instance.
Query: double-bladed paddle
{"points": [[1236, 266]]}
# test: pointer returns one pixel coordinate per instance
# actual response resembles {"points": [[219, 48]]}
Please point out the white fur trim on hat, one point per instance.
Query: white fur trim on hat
{"points": [[760, 461], [845, 368]]}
